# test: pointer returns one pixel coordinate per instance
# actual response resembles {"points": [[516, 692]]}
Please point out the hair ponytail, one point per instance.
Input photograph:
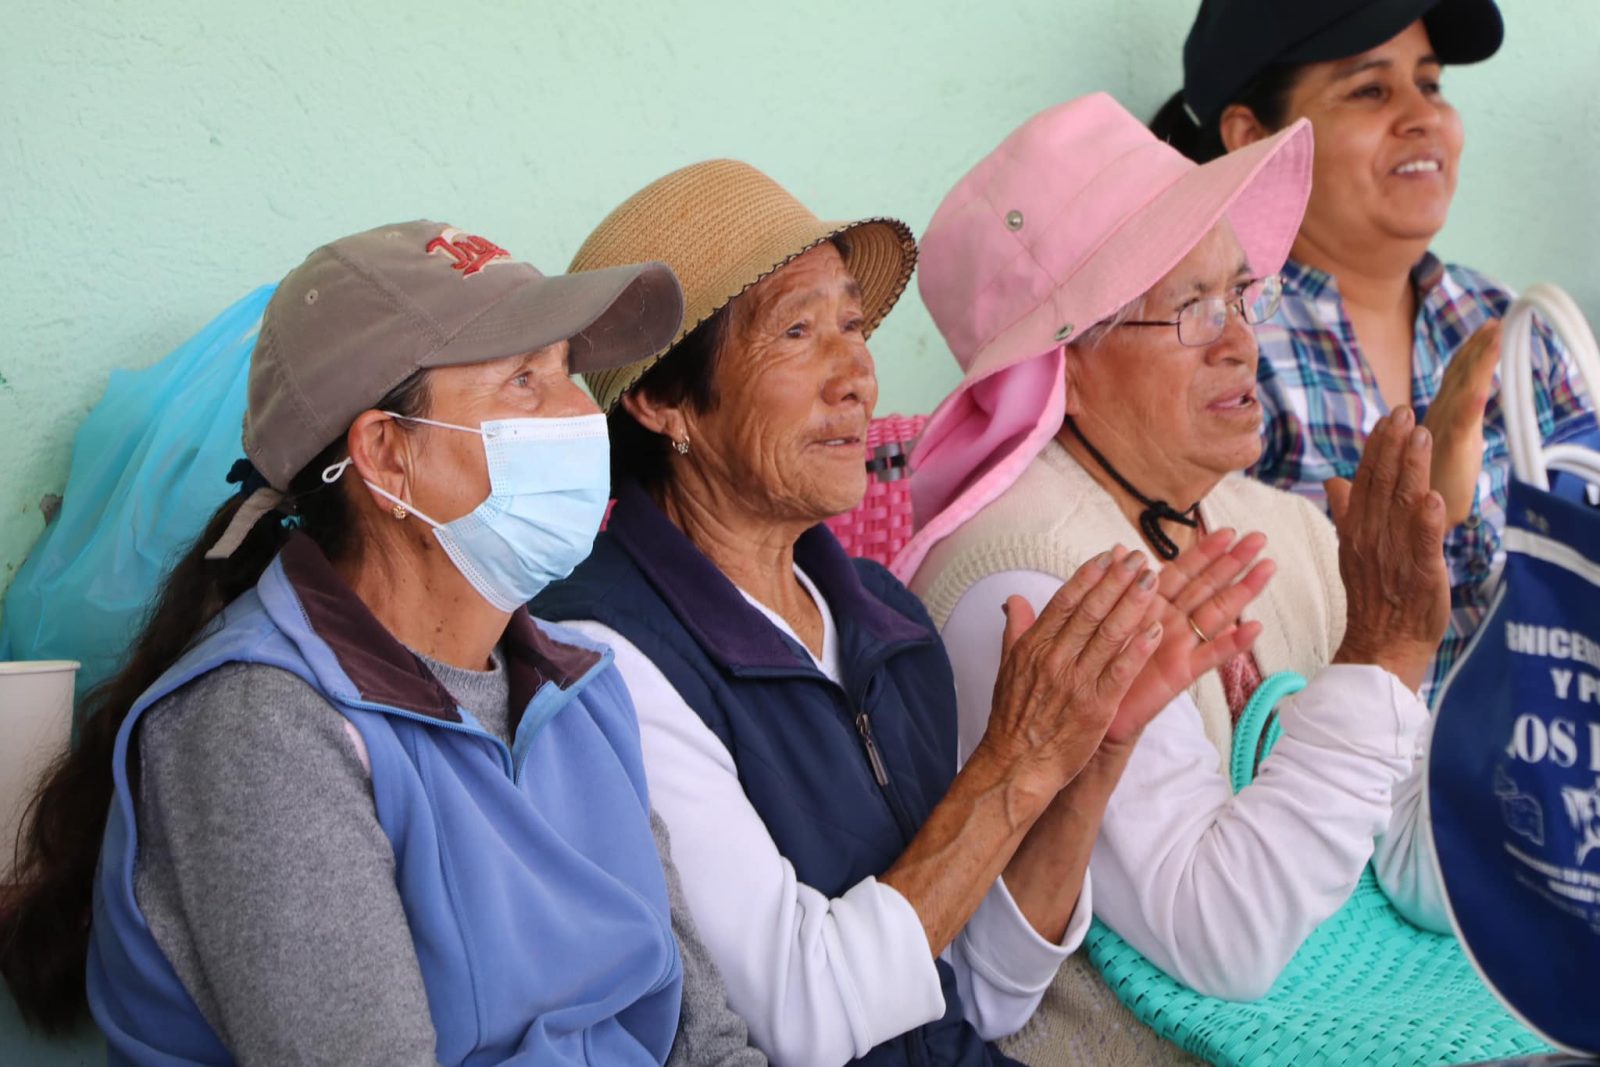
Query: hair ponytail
{"points": [[45, 913], [1173, 125], [1266, 95]]}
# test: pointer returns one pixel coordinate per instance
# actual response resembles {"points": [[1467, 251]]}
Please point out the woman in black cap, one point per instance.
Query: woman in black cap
{"points": [[1370, 318]]}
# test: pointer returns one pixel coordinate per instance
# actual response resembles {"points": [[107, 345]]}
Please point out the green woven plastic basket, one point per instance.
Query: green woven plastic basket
{"points": [[1366, 987]]}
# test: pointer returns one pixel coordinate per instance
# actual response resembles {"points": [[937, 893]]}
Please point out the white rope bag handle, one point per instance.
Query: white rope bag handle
{"points": [[1531, 460]]}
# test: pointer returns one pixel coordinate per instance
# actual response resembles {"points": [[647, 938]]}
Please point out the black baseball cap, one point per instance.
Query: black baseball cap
{"points": [[1233, 41]]}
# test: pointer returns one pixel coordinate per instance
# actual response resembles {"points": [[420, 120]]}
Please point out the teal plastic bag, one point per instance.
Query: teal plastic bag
{"points": [[148, 469], [1366, 988]]}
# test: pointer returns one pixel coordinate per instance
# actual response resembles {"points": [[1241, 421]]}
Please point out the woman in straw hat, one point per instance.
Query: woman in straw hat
{"points": [[356, 805], [1097, 289], [1371, 319], [796, 707]]}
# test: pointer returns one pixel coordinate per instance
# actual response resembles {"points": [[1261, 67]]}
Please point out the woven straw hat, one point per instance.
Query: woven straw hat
{"points": [[722, 226]]}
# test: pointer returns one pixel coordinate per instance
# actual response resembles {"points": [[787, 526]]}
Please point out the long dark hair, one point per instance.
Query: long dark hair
{"points": [[45, 914], [1267, 97]]}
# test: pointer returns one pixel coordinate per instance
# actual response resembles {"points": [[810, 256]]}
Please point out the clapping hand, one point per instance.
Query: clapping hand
{"points": [[1391, 552]]}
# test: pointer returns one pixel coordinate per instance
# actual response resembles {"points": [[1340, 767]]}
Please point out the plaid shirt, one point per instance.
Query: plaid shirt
{"points": [[1320, 401]]}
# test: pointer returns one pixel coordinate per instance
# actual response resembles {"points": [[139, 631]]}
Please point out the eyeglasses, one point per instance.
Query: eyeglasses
{"points": [[1202, 322]]}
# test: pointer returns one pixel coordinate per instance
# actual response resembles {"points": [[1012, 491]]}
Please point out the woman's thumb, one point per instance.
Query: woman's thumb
{"points": [[1019, 616]]}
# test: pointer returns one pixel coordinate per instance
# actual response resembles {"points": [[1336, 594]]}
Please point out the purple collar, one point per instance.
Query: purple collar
{"points": [[713, 610], [386, 672]]}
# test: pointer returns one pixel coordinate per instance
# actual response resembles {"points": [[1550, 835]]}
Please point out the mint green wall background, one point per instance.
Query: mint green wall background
{"points": [[158, 159]]}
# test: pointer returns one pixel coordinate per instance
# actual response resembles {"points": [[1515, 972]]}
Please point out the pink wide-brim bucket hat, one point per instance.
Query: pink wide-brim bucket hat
{"points": [[1077, 213]]}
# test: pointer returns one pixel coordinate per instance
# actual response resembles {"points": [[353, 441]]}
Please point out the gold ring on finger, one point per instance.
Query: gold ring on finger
{"points": [[1196, 628]]}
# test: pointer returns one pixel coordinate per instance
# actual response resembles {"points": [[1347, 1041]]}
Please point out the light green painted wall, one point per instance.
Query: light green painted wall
{"points": [[158, 159]]}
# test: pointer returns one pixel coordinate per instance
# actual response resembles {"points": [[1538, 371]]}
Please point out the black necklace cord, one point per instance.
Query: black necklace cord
{"points": [[1155, 511]]}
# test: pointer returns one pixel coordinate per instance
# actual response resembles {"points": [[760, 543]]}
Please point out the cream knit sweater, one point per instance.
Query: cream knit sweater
{"points": [[1056, 517], [1053, 519]]}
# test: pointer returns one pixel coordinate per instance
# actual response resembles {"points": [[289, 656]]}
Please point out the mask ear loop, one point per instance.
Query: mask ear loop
{"points": [[334, 472], [442, 425]]}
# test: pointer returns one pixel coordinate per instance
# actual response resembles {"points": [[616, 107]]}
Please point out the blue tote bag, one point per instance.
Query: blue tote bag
{"points": [[1514, 765]]}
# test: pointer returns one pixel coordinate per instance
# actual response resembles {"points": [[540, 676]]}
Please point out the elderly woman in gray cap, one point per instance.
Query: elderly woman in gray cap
{"points": [[862, 898], [348, 801]]}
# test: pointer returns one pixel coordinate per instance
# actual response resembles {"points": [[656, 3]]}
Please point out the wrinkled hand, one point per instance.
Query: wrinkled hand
{"points": [[1203, 584], [1455, 419], [1391, 552], [1063, 676]]}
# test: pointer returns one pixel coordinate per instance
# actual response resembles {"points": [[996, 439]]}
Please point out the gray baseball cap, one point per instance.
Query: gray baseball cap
{"points": [[365, 312]]}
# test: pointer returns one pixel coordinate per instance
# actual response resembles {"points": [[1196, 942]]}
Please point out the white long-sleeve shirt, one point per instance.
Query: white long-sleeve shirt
{"points": [[819, 980], [1216, 888]]}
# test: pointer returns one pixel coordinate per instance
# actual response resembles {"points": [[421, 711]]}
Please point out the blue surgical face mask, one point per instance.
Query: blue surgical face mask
{"points": [[549, 480]]}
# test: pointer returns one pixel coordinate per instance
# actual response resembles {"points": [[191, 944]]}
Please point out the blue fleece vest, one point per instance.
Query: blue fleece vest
{"points": [[842, 778], [530, 881]]}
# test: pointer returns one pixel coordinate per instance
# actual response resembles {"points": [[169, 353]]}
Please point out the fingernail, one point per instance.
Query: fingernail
{"points": [[1404, 416], [1133, 560], [1154, 633], [1103, 560], [1419, 437], [1147, 580]]}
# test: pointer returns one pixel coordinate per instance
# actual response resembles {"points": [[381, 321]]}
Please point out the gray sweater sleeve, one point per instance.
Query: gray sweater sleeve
{"points": [[267, 880], [710, 1034]]}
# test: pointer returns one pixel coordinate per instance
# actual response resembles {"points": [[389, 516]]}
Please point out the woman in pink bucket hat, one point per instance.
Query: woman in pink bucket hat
{"points": [[1097, 289]]}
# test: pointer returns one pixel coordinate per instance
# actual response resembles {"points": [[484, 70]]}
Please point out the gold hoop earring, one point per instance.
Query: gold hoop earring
{"points": [[681, 446]]}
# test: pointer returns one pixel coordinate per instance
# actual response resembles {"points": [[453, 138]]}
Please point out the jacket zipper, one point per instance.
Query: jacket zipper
{"points": [[880, 773], [879, 766]]}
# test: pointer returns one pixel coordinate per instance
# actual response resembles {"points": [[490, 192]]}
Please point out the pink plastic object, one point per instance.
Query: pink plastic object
{"points": [[880, 525]]}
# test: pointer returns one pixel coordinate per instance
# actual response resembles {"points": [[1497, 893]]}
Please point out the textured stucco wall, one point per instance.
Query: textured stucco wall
{"points": [[158, 159]]}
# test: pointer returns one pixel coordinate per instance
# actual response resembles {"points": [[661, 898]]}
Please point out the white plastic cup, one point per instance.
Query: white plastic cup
{"points": [[35, 728]]}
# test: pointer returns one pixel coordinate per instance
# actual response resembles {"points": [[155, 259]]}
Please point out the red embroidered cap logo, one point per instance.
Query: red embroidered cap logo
{"points": [[471, 253]]}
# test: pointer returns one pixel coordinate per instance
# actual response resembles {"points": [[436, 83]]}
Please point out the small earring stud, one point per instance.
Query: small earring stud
{"points": [[681, 446], [398, 511]]}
